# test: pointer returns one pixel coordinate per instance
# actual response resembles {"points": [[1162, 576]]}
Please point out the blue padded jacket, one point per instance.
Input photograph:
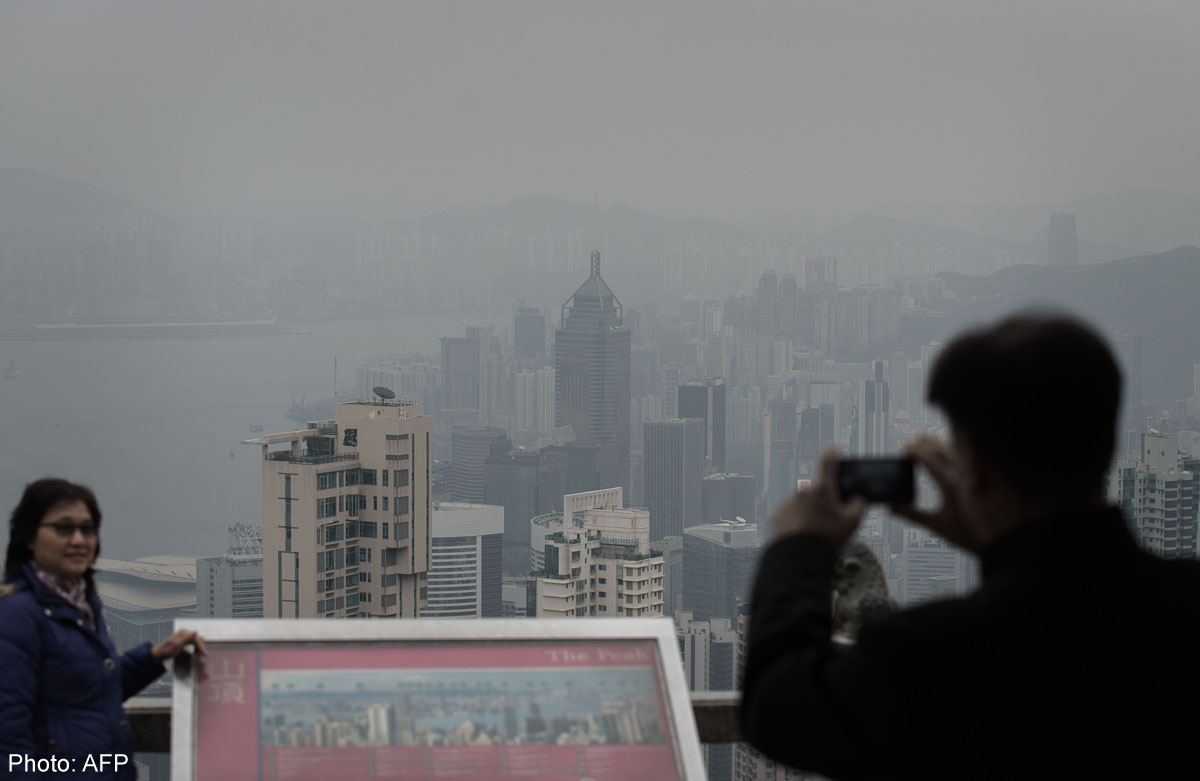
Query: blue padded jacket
{"points": [[62, 684]]}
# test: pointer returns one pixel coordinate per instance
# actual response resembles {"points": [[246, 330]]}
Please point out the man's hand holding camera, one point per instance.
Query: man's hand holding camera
{"points": [[948, 521], [819, 509]]}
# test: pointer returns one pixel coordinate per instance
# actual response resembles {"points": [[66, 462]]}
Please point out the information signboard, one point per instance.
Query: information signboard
{"points": [[484, 699]]}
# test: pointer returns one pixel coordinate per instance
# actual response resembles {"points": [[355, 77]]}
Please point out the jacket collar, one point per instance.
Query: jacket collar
{"points": [[44, 595], [1058, 541]]}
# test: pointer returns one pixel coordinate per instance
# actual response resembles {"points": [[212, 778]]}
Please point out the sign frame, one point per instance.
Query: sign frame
{"points": [[329, 633]]}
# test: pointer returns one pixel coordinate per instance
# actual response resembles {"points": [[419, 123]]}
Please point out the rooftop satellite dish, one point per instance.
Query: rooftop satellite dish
{"points": [[384, 393]]}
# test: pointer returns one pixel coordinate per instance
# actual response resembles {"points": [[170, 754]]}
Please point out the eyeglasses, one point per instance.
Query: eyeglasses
{"points": [[67, 530]]}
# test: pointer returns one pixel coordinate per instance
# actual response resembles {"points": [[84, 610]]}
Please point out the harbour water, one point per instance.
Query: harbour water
{"points": [[150, 424]]}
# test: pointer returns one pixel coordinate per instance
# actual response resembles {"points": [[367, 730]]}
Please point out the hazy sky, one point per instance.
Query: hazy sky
{"points": [[722, 110]]}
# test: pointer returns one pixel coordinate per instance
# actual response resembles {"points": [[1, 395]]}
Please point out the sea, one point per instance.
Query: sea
{"points": [[155, 426]]}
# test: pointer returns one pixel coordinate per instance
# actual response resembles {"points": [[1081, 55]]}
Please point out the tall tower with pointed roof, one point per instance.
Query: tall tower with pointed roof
{"points": [[591, 362]]}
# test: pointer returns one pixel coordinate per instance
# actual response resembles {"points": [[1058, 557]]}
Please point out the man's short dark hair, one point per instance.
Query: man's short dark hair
{"points": [[1037, 396]]}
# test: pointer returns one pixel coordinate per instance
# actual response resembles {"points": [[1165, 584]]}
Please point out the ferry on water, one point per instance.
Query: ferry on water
{"points": [[160, 330]]}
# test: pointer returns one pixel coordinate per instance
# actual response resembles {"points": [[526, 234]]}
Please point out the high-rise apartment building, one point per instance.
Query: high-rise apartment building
{"points": [[1159, 492], [599, 564], [231, 586], [673, 474], [591, 364], [464, 565], [1063, 250], [346, 514], [706, 401], [719, 560]]}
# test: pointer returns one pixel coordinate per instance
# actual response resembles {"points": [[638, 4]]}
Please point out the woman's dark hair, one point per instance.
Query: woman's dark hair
{"points": [[1037, 396], [39, 498]]}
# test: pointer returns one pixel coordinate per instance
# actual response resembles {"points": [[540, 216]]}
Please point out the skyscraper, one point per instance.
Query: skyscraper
{"points": [[464, 568], [706, 401], [470, 448], [719, 560], [1064, 246], [779, 447], [526, 484], [729, 497], [768, 303], [529, 333], [673, 475], [591, 364], [462, 359], [871, 416]]}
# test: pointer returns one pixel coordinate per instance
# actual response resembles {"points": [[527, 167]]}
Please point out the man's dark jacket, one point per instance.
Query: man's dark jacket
{"points": [[1078, 658]]}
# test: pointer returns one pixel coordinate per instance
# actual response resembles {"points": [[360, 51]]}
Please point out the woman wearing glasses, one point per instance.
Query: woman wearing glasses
{"points": [[62, 681]]}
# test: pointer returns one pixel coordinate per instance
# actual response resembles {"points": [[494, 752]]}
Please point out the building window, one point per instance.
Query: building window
{"points": [[385, 476], [327, 507], [385, 501], [368, 476], [401, 478], [341, 480], [400, 506], [385, 531], [374, 502]]}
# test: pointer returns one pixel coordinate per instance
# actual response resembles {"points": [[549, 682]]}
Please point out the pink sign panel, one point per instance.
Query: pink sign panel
{"points": [[545, 709]]}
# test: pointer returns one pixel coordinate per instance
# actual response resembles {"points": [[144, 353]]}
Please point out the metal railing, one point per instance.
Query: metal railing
{"points": [[716, 719]]}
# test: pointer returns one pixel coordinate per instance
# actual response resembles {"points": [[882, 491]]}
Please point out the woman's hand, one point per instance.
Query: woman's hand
{"points": [[177, 643]]}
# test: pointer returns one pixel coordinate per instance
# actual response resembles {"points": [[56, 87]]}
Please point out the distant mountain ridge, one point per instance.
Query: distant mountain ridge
{"points": [[31, 199], [1152, 295], [1154, 220]]}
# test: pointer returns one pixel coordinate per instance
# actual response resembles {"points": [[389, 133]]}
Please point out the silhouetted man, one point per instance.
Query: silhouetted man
{"points": [[1077, 658]]}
